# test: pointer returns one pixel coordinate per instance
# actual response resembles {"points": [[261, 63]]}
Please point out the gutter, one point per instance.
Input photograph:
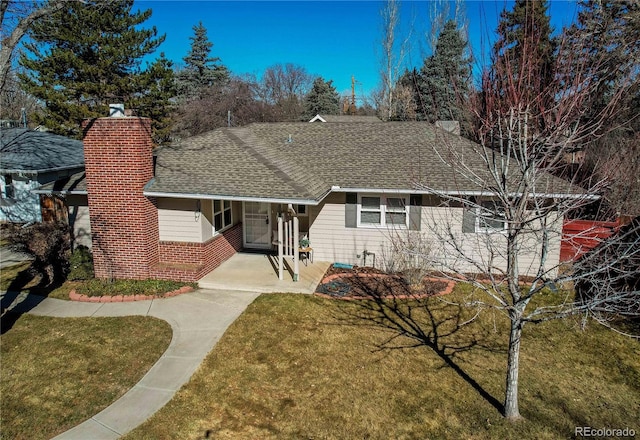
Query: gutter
{"points": [[338, 189], [231, 198], [45, 170], [62, 192]]}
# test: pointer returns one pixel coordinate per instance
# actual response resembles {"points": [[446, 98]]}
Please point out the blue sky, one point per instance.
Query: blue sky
{"points": [[332, 39]]}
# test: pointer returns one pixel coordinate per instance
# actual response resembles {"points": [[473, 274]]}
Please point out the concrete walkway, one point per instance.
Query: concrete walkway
{"points": [[255, 272], [9, 257], [198, 320]]}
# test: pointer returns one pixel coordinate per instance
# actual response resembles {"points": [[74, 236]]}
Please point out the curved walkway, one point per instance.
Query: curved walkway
{"points": [[198, 320]]}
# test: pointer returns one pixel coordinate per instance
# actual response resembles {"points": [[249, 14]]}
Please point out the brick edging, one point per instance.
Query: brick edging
{"points": [[447, 290], [75, 296]]}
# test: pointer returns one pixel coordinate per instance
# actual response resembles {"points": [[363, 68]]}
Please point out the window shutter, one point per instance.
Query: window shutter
{"points": [[351, 210], [468, 220], [415, 212]]}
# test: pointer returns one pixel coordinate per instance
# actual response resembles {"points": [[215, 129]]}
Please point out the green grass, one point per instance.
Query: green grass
{"points": [[19, 278], [56, 372], [97, 287], [295, 366]]}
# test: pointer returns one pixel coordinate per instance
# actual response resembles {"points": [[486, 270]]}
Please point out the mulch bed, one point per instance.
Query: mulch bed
{"points": [[371, 283]]}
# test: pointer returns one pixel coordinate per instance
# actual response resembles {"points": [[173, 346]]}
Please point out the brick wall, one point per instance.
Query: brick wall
{"points": [[191, 261], [124, 223]]}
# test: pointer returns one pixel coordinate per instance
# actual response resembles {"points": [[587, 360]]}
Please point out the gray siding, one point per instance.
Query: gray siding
{"points": [[333, 241]]}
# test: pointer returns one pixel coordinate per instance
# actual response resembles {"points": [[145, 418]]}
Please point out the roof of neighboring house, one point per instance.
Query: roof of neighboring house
{"points": [[23, 150], [73, 184], [344, 118], [302, 161]]}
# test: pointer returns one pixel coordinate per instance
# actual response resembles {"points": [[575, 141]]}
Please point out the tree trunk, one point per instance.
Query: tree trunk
{"points": [[511, 410]]}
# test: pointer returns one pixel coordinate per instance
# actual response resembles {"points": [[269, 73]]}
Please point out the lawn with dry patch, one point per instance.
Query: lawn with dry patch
{"points": [[296, 366], [58, 372]]}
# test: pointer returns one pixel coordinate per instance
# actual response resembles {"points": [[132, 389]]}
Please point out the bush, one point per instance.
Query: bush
{"points": [[49, 246], [81, 264], [98, 287]]}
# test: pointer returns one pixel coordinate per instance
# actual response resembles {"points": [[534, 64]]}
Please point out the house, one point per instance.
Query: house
{"points": [[344, 118], [28, 159], [179, 213]]}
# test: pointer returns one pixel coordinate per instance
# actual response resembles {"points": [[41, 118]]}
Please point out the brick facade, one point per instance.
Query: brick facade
{"points": [[191, 261], [124, 223]]}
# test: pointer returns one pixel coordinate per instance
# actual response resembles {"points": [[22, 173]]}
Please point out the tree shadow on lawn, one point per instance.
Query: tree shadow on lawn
{"points": [[431, 321], [23, 282]]}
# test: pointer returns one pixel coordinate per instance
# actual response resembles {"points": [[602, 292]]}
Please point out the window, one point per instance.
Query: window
{"points": [[222, 214], [301, 210], [485, 216], [380, 210]]}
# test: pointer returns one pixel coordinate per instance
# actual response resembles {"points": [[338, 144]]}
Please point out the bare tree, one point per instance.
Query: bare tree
{"points": [[500, 230], [394, 51], [16, 17], [284, 87]]}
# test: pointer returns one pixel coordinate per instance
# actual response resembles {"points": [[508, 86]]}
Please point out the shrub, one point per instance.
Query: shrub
{"points": [[48, 245], [408, 254], [81, 264]]}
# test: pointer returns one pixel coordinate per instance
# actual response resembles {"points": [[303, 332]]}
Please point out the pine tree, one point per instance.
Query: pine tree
{"points": [[155, 101], [322, 99], [442, 84], [84, 57], [201, 70]]}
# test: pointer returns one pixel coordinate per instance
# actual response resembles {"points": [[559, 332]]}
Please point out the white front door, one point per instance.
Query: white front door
{"points": [[257, 225]]}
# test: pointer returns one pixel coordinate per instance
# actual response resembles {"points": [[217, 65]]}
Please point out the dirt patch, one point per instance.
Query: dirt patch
{"points": [[367, 282]]}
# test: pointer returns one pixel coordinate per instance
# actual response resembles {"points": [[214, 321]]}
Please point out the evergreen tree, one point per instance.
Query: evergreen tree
{"points": [[155, 101], [606, 40], [322, 99], [84, 57], [442, 84], [201, 70]]}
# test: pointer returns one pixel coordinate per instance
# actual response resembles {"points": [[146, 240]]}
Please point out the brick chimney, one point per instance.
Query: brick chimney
{"points": [[124, 223]]}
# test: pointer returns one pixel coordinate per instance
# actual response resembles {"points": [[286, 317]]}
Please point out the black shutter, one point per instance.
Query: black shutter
{"points": [[351, 210], [469, 217], [415, 212]]}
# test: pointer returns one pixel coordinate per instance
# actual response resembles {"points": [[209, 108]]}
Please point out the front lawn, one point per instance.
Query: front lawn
{"points": [[296, 366], [56, 373]]}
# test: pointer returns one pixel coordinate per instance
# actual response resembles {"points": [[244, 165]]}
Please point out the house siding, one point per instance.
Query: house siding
{"points": [[181, 220], [332, 241], [24, 207]]}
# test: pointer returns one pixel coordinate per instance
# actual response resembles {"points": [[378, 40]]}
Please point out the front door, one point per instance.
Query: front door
{"points": [[257, 225]]}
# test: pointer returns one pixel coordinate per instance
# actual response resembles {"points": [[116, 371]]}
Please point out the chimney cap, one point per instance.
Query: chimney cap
{"points": [[116, 110]]}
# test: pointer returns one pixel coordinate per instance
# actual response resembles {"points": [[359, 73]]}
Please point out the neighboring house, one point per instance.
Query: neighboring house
{"points": [[344, 118], [29, 159], [352, 186]]}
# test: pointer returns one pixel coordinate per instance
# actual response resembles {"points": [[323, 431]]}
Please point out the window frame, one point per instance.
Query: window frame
{"points": [[480, 218], [297, 207], [221, 212], [383, 209]]}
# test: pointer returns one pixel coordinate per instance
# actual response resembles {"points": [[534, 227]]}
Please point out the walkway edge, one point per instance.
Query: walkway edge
{"points": [[198, 320]]}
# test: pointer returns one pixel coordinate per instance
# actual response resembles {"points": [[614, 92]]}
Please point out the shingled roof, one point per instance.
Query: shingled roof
{"points": [[302, 161], [23, 150]]}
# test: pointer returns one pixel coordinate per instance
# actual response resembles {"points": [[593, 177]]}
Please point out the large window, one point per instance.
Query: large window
{"points": [[222, 214], [382, 210]]}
